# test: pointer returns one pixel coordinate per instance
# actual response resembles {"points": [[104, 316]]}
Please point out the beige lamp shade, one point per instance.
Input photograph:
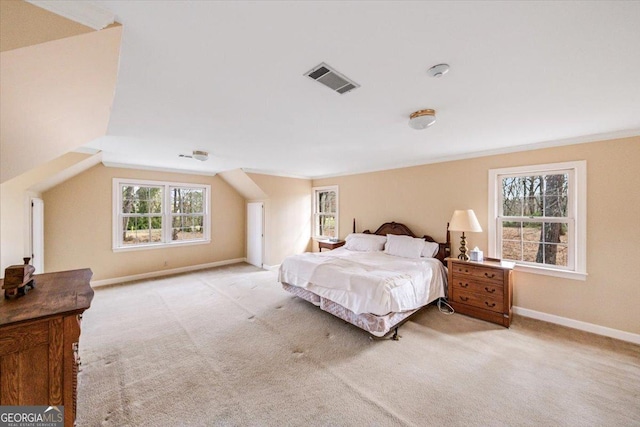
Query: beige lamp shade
{"points": [[464, 220]]}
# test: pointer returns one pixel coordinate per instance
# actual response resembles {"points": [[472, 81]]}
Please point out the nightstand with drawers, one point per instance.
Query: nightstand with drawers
{"points": [[328, 244], [481, 289]]}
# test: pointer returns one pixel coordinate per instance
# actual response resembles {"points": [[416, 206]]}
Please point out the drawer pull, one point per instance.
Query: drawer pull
{"points": [[464, 298], [466, 285], [493, 304], [490, 290], [489, 277]]}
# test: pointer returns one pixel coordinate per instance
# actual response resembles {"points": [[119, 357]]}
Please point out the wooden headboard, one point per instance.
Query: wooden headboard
{"points": [[400, 229]]}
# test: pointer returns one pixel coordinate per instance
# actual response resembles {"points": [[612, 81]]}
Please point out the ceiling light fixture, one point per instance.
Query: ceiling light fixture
{"points": [[438, 70], [196, 154], [422, 119]]}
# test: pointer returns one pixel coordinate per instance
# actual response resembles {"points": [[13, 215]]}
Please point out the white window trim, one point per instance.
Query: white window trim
{"points": [[579, 247], [166, 215], [315, 190]]}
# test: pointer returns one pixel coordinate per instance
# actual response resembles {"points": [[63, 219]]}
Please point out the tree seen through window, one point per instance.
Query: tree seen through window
{"points": [[156, 213], [534, 219], [325, 215]]}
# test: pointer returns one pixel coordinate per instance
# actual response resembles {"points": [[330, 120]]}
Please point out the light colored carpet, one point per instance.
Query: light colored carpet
{"points": [[228, 346]]}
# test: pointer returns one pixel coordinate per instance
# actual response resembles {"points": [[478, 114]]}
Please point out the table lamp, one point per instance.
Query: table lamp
{"points": [[464, 220]]}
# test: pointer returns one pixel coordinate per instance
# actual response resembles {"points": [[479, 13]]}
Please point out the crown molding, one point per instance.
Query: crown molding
{"points": [[275, 173], [110, 164], [608, 136]]}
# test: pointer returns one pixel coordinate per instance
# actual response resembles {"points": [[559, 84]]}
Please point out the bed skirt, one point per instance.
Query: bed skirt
{"points": [[377, 326]]}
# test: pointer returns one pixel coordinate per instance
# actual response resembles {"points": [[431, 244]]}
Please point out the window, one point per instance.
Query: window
{"points": [[325, 212], [141, 214], [537, 218], [187, 213], [151, 214]]}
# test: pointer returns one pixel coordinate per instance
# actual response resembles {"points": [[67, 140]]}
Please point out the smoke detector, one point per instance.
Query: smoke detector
{"points": [[438, 70], [196, 154]]}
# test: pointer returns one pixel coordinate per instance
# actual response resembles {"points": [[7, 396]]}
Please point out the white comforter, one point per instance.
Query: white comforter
{"points": [[367, 282]]}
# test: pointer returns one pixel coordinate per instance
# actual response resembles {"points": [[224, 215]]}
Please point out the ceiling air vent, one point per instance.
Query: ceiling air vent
{"points": [[331, 78]]}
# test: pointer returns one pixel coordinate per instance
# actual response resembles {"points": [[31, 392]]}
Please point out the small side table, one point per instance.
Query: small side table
{"points": [[326, 244], [482, 289]]}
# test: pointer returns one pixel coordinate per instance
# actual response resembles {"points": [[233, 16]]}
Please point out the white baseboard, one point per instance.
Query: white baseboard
{"points": [[577, 324], [104, 282], [271, 267]]}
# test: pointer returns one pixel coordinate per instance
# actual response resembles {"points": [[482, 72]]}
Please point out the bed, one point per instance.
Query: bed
{"points": [[376, 281]]}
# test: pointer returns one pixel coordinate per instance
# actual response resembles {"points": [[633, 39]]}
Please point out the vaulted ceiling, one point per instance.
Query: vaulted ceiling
{"points": [[57, 83], [228, 78]]}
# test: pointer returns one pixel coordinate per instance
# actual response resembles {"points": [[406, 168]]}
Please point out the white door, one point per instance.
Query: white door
{"points": [[255, 233], [37, 235]]}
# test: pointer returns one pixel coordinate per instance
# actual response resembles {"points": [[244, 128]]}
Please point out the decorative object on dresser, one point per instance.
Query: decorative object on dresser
{"points": [[464, 220], [476, 255], [482, 289], [39, 338], [18, 279], [328, 244]]}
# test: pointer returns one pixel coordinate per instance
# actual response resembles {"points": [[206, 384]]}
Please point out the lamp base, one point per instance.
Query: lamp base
{"points": [[463, 248]]}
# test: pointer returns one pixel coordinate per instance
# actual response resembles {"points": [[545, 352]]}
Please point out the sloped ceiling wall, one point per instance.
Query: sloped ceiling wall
{"points": [[55, 97], [243, 184], [23, 24]]}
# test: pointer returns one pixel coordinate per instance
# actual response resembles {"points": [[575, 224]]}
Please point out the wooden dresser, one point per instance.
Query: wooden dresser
{"points": [[481, 289], [39, 336]]}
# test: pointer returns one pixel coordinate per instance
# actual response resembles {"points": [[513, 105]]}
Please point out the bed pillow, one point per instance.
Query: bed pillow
{"points": [[365, 242], [430, 249], [404, 246]]}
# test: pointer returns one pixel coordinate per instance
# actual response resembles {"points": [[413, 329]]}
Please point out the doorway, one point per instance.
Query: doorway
{"points": [[37, 234], [255, 233]]}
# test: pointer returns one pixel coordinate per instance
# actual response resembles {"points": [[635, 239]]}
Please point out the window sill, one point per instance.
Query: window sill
{"points": [[565, 274], [161, 245]]}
